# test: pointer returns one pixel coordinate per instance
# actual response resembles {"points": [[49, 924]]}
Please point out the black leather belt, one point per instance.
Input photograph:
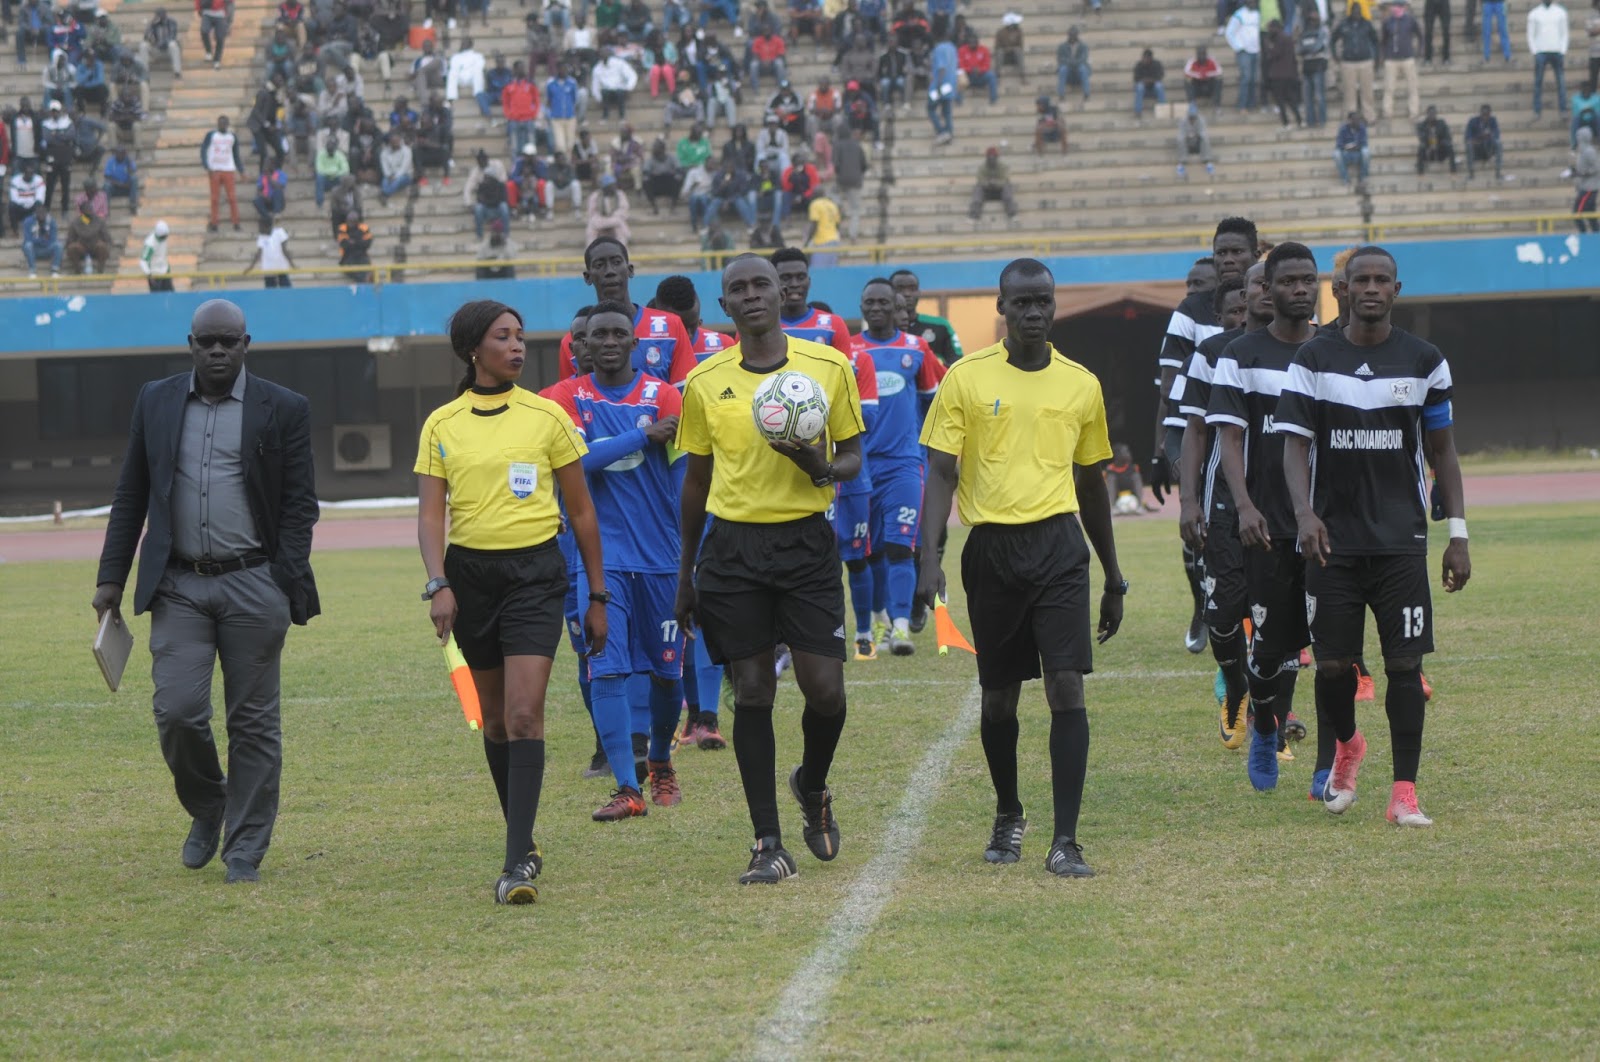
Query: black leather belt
{"points": [[222, 567]]}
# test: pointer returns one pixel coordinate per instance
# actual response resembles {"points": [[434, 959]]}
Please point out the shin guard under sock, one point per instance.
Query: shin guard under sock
{"points": [[756, 752], [999, 738], [666, 702], [902, 587], [1228, 651], [821, 739], [613, 721], [1406, 707], [499, 765], [1069, 763], [524, 780], [1336, 699], [861, 597]]}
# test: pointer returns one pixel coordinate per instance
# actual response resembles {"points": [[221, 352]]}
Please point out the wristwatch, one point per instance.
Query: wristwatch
{"points": [[1120, 589], [826, 479], [602, 597], [434, 586]]}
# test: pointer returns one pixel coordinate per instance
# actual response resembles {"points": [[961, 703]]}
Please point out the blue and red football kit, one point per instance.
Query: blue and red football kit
{"points": [[663, 350]]}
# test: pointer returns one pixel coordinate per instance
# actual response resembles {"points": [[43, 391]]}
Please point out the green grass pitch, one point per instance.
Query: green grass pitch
{"points": [[1223, 923]]}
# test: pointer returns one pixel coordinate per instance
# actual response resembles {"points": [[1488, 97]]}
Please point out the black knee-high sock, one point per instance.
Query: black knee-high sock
{"points": [[1000, 749], [1284, 704], [499, 757], [524, 780], [1336, 700], [1325, 739], [757, 755], [1406, 706], [821, 739], [1264, 694], [1228, 651], [1192, 569], [1069, 763]]}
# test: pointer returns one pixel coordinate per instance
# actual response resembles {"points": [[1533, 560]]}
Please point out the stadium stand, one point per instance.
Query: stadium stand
{"points": [[1116, 184]]}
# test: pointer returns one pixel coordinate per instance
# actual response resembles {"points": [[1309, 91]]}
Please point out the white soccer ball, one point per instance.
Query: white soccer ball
{"points": [[790, 406]]}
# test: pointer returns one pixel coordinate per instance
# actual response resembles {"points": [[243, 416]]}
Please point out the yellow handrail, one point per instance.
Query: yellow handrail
{"points": [[1039, 244]]}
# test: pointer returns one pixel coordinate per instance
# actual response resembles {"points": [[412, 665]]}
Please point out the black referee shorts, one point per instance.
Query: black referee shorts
{"points": [[1027, 589], [508, 602], [1395, 587], [1277, 583], [761, 584]]}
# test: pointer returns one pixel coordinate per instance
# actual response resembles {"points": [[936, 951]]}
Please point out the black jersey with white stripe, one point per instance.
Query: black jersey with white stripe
{"points": [[1191, 393], [1249, 376], [1366, 411], [1192, 322]]}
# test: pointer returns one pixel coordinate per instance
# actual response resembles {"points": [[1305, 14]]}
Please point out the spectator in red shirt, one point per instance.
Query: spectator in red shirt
{"points": [[801, 183], [976, 61], [1202, 78], [766, 56], [519, 102]]}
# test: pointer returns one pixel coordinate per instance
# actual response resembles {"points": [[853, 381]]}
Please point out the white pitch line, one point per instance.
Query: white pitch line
{"points": [[805, 998]]}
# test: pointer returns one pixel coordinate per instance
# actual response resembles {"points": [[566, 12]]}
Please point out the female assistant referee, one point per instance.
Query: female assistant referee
{"points": [[494, 457]]}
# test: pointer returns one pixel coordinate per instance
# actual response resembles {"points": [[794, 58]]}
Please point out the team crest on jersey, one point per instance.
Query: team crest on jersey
{"points": [[905, 361], [1258, 615], [652, 356], [1401, 389], [1209, 584], [1311, 608], [644, 421], [658, 326], [588, 416]]}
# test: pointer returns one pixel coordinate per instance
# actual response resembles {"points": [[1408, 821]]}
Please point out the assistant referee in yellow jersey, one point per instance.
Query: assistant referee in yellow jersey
{"points": [[768, 570], [1028, 428], [494, 457]]}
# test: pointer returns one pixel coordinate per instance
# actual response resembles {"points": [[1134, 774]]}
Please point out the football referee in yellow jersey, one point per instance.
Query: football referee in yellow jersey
{"points": [[1028, 428], [494, 457], [768, 570]]}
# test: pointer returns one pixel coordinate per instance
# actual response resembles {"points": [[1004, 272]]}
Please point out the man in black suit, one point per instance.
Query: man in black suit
{"points": [[219, 461]]}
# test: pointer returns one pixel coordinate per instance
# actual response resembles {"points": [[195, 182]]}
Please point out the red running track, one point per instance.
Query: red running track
{"points": [[21, 546]]}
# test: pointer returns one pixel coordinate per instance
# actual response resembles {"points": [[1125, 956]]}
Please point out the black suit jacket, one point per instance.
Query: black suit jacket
{"points": [[278, 476]]}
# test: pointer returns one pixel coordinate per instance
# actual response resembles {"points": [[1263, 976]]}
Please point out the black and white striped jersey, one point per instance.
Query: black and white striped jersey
{"points": [[1245, 385], [1366, 411], [1191, 391], [1192, 322]]}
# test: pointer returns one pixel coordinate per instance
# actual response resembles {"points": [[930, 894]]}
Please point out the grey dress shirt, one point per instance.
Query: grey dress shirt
{"points": [[210, 512]]}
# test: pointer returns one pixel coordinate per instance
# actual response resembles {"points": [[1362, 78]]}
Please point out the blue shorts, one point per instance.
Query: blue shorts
{"points": [[642, 633], [851, 516], [896, 504]]}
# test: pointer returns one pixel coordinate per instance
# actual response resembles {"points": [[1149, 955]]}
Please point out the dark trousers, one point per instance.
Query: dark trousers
{"points": [[240, 618], [58, 177], [1436, 11]]}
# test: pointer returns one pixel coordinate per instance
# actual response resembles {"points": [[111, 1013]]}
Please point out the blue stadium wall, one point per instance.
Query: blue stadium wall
{"points": [[1519, 318], [83, 324]]}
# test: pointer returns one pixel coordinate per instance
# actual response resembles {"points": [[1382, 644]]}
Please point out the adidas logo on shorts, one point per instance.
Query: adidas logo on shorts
{"points": [[727, 392]]}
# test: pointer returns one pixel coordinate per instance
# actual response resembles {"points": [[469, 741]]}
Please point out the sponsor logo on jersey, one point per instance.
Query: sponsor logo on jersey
{"points": [[890, 383], [1366, 439], [824, 320], [727, 392], [1365, 370], [650, 389], [658, 326]]}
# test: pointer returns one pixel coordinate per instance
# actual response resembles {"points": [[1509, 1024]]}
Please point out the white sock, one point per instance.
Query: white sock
{"points": [[902, 627], [880, 619]]}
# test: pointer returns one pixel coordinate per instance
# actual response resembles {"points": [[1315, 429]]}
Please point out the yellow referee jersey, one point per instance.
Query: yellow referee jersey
{"points": [[497, 453], [1017, 434], [751, 482]]}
